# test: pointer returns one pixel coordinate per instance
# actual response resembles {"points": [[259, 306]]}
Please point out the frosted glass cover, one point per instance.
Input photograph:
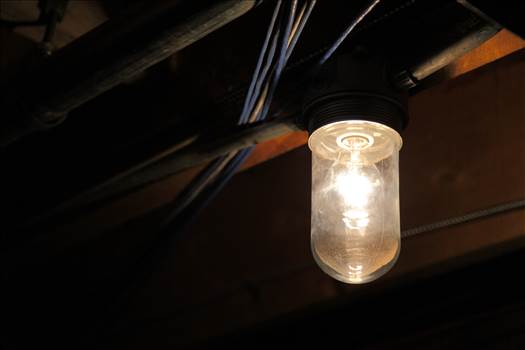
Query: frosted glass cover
{"points": [[355, 230]]}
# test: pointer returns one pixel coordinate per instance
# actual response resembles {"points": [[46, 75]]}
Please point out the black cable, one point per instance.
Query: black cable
{"points": [[218, 183], [300, 28], [267, 69], [214, 183], [281, 63], [255, 76], [295, 38], [285, 52], [305, 11], [468, 217], [346, 32], [286, 37]]}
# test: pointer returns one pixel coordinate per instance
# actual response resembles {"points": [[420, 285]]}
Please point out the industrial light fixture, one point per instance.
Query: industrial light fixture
{"points": [[354, 117]]}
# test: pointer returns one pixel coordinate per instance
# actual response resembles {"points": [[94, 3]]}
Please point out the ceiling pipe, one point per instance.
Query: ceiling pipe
{"points": [[98, 61]]}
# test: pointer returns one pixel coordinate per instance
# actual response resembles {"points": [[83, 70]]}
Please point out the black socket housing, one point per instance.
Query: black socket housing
{"points": [[354, 86]]}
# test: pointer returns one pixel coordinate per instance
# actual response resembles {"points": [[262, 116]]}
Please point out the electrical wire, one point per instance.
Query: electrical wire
{"points": [[263, 75], [297, 29], [296, 23], [475, 215], [292, 32], [286, 36], [255, 76], [267, 68], [257, 110], [213, 178], [347, 31], [213, 170], [281, 62]]}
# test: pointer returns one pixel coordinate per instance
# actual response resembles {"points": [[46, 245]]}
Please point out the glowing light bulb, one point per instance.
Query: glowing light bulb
{"points": [[355, 231]]}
